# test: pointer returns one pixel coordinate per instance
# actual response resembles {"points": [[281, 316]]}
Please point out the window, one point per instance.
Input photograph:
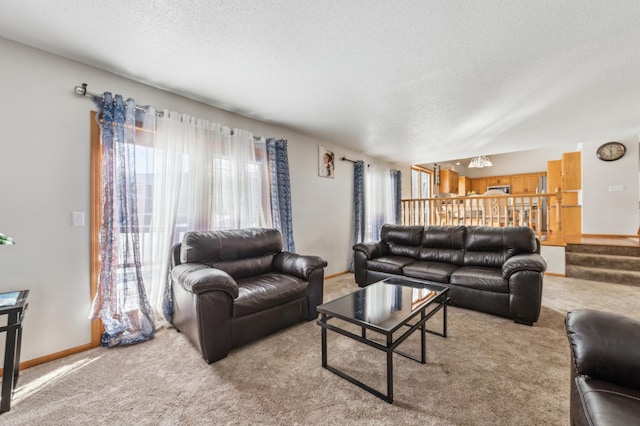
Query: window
{"points": [[421, 182], [379, 207]]}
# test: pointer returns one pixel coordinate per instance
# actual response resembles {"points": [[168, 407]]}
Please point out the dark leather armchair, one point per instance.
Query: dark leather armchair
{"points": [[235, 286], [605, 368]]}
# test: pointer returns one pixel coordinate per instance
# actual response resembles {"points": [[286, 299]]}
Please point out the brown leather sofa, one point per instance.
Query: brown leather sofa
{"points": [[236, 286], [493, 270], [605, 368]]}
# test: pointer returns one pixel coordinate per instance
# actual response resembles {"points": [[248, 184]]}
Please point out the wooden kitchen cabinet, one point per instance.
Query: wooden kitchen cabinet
{"points": [[554, 176], [566, 174], [555, 180], [448, 182], [572, 171], [571, 220], [498, 180], [479, 185], [464, 185], [526, 183]]}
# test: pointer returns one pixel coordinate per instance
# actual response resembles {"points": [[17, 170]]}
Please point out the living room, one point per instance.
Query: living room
{"points": [[45, 176]]}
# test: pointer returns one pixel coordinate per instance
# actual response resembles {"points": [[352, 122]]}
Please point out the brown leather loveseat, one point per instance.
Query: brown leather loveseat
{"points": [[493, 270], [605, 368], [235, 286]]}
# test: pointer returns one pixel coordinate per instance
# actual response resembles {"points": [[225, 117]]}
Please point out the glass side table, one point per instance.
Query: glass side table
{"points": [[14, 305]]}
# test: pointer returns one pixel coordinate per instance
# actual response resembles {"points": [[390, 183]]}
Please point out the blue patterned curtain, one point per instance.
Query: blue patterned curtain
{"points": [[396, 195], [121, 301], [280, 187], [358, 205]]}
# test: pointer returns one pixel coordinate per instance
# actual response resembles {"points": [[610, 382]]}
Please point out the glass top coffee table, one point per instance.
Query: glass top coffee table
{"points": [[386, 307]]}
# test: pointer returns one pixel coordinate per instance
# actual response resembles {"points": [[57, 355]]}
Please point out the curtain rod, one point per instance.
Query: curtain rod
{"points": [[346, 159], [351, 161], [82, 91]]}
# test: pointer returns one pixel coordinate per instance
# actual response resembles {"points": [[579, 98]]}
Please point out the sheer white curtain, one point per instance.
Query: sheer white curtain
{"points": [[241, 180], [168, 159], [203, 177], [379, 207]]}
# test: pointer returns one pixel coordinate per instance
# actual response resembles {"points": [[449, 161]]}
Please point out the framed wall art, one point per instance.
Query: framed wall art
{"points": [[326, 162]]}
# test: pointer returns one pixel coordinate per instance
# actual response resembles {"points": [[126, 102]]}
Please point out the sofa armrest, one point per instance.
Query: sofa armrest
{"points": [[198, 278], [605, 346], [372, 249], [523, 262], [299, 265]]}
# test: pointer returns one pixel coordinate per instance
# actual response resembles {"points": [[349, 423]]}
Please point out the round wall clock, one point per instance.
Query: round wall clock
{"points": [[611, 151]]}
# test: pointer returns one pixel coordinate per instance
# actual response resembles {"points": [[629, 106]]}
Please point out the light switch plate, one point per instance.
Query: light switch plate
{"points": [[77, 218]]}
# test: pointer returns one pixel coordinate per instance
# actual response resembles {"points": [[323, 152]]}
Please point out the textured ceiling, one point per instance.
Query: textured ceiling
{"points": [[408, 81]]}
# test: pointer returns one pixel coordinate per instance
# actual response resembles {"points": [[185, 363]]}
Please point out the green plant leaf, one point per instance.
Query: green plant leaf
{"points": [[6, 240]]}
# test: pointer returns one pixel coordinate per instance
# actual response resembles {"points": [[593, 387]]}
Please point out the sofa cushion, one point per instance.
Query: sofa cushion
{"points": [[402, 240], [487, 246], [266, 291], [401, 235], [389, 264], [210, 247], [480, 278], [430, 271], [605, 403], [443, 244]]}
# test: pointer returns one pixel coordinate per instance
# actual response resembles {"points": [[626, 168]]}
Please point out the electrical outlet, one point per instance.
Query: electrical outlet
{"points": [[77, 218]]}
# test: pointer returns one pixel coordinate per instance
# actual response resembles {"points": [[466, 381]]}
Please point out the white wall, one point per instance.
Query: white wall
{"points": [[44, 176], [555, 258], [603, 211]]}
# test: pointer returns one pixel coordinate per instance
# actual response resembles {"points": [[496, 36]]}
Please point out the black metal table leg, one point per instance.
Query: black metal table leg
{"points": [[323, 319], [16, 362], [423, 339], [389, 370], [444, 320], [9, 364]]}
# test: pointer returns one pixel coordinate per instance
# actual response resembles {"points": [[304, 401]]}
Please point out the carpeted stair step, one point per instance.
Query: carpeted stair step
{"points": [[604, 261], [600, 249], [603, 275]]}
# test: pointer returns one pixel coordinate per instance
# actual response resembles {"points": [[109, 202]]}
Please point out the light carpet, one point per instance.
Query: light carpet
{"points": [[488, 371]]}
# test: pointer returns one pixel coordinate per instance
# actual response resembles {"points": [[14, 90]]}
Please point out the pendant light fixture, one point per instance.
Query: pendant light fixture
{"points": [[480, 162]]}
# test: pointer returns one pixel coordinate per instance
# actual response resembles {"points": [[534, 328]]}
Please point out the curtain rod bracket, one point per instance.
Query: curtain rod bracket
{"points": [[81, 90]]}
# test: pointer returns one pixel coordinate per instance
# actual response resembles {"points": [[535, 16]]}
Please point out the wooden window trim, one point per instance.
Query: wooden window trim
{"points": [[97, 327], [427, 171]]}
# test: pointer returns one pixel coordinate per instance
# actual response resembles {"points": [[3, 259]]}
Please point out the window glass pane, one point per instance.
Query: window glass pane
{"points": [[425, 185], [415, 193]]}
